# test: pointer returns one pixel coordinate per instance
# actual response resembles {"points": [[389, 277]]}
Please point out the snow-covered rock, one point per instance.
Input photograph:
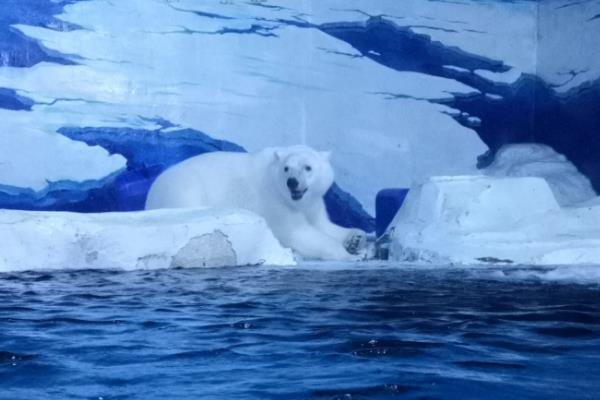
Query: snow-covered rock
{"points": [[136, 240], [478, 219], [519, 160]]}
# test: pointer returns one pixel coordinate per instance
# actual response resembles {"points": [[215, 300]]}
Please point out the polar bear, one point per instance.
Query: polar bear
{"points": [[284, 185]]}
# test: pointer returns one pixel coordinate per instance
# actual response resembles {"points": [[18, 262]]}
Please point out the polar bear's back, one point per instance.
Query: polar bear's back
{"points": [[218, 179]]}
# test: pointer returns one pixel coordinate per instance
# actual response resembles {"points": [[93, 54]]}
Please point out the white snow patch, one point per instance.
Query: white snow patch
{"points": [[474, 121], [508, 77], [569, 186], [136, 240], [478, 220], [457, 69], [31, 157], [492, 96]]}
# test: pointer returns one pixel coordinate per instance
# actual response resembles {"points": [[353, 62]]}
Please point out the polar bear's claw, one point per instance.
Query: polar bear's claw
{"points": [[355, 243]]}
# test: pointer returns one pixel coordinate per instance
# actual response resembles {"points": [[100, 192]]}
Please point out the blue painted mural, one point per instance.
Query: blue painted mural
{"points": [[527, 110], [250, 74], [98, 97]]}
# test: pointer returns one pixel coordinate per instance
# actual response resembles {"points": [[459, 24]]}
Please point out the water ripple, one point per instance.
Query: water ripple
{"points": [[266, 333]]}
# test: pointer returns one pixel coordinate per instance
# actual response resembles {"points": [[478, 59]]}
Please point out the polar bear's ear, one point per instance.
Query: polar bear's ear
{"points": [[278, 155], [326, 155]]}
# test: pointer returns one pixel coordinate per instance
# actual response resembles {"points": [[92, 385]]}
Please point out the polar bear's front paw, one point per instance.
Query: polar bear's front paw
{"points": [[356, 242]]}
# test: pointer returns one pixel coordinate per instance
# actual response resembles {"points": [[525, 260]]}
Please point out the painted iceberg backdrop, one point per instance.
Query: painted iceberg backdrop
{"points": [[98, 97]]}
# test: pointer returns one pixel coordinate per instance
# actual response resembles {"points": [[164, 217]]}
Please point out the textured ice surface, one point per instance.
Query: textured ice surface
{"points": [[136, 240], [569, 186], [479, 220]]}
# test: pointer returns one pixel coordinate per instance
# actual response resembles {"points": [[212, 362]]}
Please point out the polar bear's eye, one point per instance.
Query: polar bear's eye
{"points": [[308, 168], [286, 169]]}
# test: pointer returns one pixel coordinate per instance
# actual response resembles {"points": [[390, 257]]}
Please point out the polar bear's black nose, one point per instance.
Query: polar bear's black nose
{"points": [[292, 183]]}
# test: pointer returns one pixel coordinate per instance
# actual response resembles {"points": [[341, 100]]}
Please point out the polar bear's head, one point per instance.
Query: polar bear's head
{"points": [[303, 175]]}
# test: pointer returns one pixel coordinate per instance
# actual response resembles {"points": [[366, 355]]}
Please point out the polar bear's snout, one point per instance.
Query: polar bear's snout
{"points": [[295, 191], [292, 183]]}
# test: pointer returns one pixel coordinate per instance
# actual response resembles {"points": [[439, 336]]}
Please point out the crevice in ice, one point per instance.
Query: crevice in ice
{"points": [[392, 96], [403, 49], [261, 3], [572, 75], [341, 53], [199, 13], [260, 30]]}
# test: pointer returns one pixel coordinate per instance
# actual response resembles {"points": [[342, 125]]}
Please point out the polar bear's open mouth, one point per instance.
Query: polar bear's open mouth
{"points": [[297, 194]]}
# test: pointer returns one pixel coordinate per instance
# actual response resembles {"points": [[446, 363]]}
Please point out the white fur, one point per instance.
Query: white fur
{"points": [[258, 182]]}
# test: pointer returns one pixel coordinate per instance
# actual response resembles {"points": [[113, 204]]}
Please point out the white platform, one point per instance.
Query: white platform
{"points": [[478, 220], [136, 240]]}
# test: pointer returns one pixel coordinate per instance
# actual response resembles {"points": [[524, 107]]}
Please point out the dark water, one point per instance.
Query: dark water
{"points": [[268, 333]]}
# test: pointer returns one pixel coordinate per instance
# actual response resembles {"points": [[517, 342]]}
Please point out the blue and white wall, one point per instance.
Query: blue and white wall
{"points": [[568, 112], [99, 96]]}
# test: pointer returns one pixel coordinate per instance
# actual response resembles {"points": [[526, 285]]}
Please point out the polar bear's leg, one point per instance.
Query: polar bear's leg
{"points": [[312, 243], [353, 240], [320, 220]]}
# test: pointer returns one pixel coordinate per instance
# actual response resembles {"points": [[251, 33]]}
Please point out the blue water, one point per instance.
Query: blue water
{"points": [[269, 333]]}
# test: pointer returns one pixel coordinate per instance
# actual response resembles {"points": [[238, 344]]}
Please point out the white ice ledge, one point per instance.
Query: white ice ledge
{"points": [[136, 240], [477, 220]]}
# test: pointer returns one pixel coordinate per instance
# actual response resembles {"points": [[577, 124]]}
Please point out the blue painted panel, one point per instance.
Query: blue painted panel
{"points": [[387, 204]]}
